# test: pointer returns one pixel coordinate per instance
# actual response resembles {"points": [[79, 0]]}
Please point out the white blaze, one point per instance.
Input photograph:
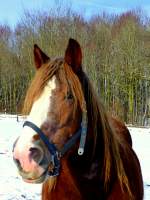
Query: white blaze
{"points": [[38, 115], [41, 107]]}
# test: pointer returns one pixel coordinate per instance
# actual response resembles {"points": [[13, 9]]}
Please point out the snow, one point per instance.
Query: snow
{"points": [[11, 185], [13, 188], [141, 145]]}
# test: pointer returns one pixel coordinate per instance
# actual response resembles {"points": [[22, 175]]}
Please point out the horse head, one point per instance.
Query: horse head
{"points": [[56, 112]]}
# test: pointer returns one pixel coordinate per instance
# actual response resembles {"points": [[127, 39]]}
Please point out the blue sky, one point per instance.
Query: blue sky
{"points": [[11, 11]]}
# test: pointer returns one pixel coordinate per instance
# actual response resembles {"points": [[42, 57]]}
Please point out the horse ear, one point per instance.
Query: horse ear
{"points": [[39, 57], [73, 55]]}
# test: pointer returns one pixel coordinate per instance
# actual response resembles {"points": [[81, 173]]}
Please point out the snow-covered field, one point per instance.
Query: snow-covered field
{"points": [[13, 188], [141, 145], [11, 185]]}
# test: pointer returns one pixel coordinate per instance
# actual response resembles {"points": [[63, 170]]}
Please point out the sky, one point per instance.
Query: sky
{"points": [[11, 11]]}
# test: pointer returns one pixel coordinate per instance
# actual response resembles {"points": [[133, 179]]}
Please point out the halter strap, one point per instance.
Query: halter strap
{"points": [[51, 147], [55, 153], [83, 133]]}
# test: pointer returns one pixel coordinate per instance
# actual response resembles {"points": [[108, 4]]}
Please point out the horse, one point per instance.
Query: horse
{"points": [[69, 142]]}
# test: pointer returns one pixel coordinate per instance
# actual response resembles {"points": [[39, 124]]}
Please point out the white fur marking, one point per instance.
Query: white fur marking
{"points": [[38, 115]]}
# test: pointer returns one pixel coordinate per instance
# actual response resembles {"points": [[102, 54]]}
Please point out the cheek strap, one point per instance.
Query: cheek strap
{"points": [[51, 147], [82, 133]]}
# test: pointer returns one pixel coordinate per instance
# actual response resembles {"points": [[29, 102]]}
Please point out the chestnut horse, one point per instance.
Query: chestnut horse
{"points": [[68, 141]]}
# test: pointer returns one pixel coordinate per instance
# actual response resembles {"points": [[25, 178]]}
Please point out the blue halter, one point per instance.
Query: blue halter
{"points": [[55, 153]]}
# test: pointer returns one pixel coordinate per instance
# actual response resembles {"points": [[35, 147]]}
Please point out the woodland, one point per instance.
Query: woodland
{"points": [[116, 57]]}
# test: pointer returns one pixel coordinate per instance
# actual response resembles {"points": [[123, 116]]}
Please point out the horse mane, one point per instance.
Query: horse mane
{"points": [[111, 141], [84, 94]]}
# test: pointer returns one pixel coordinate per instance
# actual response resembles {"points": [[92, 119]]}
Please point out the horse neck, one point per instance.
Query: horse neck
{"points": [[107, 145], [101, 150], [95, 125]]}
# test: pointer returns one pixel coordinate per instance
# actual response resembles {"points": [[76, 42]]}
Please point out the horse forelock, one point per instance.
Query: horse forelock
{"points": [[41, 78]]}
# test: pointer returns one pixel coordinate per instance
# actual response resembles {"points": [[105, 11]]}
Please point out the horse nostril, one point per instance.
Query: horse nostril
{"points": [[36, 154]]}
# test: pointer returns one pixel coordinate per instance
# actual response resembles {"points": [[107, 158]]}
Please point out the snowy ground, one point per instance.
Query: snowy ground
{"points": [[141, 145], [13, 188], [11, 185]]}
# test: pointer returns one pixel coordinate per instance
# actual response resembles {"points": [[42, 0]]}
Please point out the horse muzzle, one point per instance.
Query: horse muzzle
{"points": [[32, 163]]}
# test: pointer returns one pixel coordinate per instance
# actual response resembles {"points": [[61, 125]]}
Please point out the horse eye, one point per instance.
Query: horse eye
{"points": [[69, 96]]}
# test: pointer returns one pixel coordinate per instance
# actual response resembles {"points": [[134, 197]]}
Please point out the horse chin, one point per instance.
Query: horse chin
{"points": [[40, 179]]}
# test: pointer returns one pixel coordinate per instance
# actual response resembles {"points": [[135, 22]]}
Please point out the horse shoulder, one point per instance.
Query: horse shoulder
{"points": [[121, 130], [130, 162], [133, 172], [117, 193]]}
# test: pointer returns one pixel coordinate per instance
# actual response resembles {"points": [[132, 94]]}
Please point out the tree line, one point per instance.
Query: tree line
{"points": [[116, 56]]}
